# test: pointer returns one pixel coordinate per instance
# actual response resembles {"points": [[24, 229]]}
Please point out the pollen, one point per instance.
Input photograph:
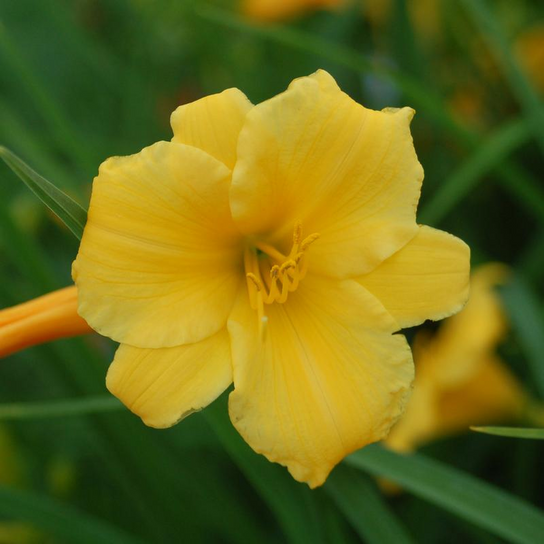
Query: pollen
{"points": [[270, 274]]}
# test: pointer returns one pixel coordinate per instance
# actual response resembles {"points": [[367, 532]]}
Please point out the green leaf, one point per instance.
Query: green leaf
{"points": [[462, 494], [24, 251], [292, 503], [68, 211], [463, 181], [527, 320], [60, 408], [63, 521], [364, 507], [527, 96], [50, 108], [514, 432]]}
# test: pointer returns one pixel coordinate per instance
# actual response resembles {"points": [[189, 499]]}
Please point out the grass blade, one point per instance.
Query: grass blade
{"points": [[16, 68], [462, 494], [514, 432], [62, 521], [528, 322], [522, 89], [60, 408], [67, 210], [291, 502], [364, 507], [463, 181]]}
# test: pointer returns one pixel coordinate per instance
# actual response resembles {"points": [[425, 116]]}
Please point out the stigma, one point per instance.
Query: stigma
{"points": [[271, 275]]}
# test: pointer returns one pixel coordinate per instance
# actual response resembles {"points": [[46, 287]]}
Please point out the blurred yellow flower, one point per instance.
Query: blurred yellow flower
{"points": [[277, 10], [460, 381], [530, 52]]}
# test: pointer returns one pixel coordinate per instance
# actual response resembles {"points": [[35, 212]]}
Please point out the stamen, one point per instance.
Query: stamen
{"points": [[297, 234], [268, 284], [270, 251], [284, 292], [256, 282], [308, 241], [264, 273]]}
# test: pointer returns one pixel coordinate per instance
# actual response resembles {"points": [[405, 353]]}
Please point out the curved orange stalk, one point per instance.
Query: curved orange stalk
{"points": [[43, 319]]}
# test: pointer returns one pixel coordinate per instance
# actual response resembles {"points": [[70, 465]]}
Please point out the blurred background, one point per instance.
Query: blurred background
{"points": [[82, 80]]}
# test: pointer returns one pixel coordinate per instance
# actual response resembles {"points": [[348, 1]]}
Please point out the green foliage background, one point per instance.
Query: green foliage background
{"points": [[82, 80]]}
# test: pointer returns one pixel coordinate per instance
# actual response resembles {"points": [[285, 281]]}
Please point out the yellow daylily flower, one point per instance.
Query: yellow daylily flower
{"points": [[274, 246], [460, 380], [278, 10]]}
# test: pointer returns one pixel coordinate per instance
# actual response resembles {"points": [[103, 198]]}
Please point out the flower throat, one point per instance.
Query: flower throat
{"points": [[271, 275]]}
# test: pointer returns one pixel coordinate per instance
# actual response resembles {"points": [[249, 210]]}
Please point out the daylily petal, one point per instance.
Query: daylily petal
{"points": [[427, 279], [326, 378], [312, 154], [212, 124], [159, 262], [163, 386]]}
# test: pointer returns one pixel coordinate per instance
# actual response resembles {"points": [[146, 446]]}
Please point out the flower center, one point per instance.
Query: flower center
{"points": [[271, 275]]}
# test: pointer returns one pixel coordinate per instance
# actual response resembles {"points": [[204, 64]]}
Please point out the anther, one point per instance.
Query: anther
{"points": [[309, 240], [297, 233], [274, 271], [255, 281], [287, 265]]}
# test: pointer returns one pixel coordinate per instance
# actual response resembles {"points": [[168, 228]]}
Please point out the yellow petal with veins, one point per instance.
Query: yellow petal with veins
{"points": [[327, 378], [160, 259], [163, 386], [212, 124], [427, 279], [312, 154]]}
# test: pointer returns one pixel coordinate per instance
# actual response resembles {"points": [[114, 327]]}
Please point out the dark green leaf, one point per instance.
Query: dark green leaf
{"points": [[514, 432], [527, 320], [463, 181], [470, 498], [528, 98], [62, 521], [361, 503], [60, 408]]}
